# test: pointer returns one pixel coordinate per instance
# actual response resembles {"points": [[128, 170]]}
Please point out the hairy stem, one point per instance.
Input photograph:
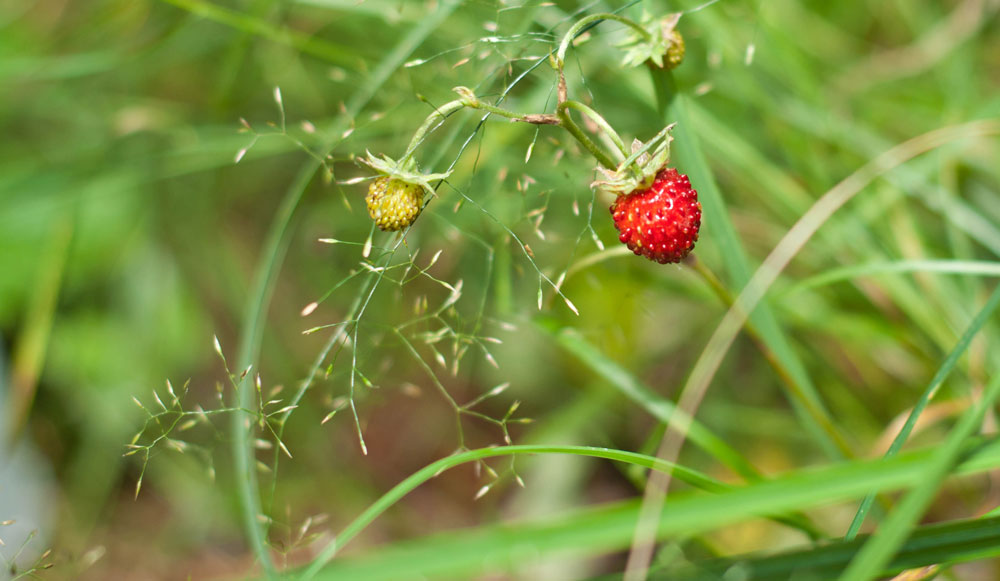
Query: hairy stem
{"points": [[475, 103], [562, 119], [567, 123], [600, 121]]}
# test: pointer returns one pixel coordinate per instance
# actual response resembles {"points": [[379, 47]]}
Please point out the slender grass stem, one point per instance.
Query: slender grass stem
{"points": [[477, 104], [265, 278]]}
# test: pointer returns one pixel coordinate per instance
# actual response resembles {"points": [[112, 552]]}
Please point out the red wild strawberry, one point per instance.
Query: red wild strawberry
{"points": [[660, 222]]}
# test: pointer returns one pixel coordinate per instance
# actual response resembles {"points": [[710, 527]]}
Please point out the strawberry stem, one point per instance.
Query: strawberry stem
{"points": [[583, 23], [567, 123], [561, 118], [439, 114], [530, 118], [600, 121]]}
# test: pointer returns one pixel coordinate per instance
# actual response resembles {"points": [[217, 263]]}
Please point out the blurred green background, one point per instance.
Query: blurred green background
{"points": [[129, 238]]}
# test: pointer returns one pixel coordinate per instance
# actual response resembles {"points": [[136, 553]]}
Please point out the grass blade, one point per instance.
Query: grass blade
{"points": [[304, 43], [949, 363], [802, 392], [402, 489], [657, 406], [947, 543], [965, 267], [879, 550], [609, 527]]}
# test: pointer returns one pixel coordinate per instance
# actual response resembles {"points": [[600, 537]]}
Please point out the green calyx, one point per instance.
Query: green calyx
{"points": [[404, 170], [638, 171]]}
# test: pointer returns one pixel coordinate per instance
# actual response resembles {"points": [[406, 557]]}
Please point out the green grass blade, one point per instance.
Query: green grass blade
{"points": [[981, 268], [32, 345], [304, 43], [949, 363], [750, 168], [687, 153], [402, 489], [610, 527], [946, 543], [656, 405], [262, 289], [891, 533]]}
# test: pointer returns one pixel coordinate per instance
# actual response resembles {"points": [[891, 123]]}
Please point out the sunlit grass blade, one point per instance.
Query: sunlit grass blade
{"points": [[978, 268], [610, 527], [29, 358]]}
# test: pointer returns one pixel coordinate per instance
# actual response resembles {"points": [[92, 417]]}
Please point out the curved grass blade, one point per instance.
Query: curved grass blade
{"points": [[609, 528], [656, 405], [431, 470]]}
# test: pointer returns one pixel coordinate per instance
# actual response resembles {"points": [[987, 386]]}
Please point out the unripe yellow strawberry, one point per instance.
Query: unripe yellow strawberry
{"points": [[393, 203], [675, 54]]}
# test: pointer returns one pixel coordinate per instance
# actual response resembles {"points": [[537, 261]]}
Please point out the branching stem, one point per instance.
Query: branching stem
{"points": [[569, 125], [561, 118], [600, 121]]}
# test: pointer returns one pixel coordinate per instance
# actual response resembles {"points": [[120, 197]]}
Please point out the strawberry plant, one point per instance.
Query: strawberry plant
{"points": [[515, 290], [656, 212]]}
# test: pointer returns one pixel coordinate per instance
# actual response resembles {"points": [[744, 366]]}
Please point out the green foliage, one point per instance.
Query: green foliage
{"points": [[178, 170]]}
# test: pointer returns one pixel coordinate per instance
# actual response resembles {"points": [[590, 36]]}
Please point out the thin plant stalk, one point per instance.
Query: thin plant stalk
{"points": [[264, 281]]}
